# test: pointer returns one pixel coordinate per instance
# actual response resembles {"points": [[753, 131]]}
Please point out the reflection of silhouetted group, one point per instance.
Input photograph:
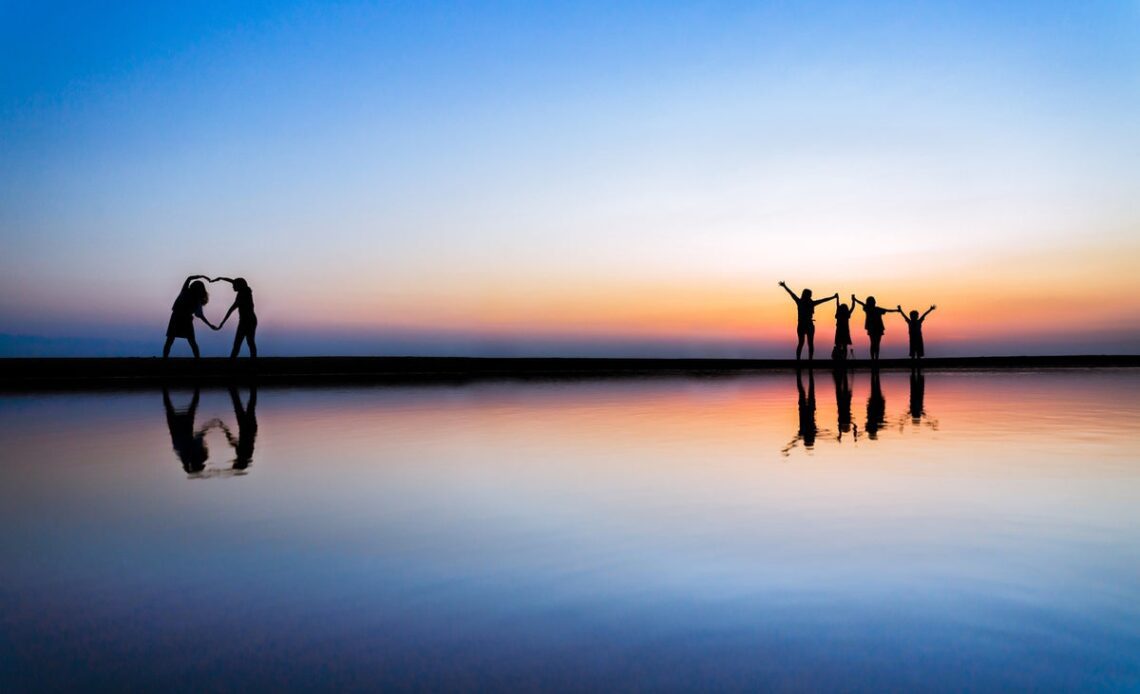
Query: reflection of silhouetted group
{"points": [[873, 323], [193, 297], [189, 443], [874, 425]]}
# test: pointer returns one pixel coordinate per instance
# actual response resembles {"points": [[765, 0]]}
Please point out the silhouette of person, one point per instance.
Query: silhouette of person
{"points": [[914, 325], [843, 396], [806, 408], [247, 428], [190, 445], [805, 322], [876, 407], [842, 331], [189, 303], [917, 395], [873, 322], [247, 319]]}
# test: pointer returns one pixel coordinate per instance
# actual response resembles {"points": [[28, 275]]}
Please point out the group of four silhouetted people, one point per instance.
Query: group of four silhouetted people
{"points": [[873, 322]]}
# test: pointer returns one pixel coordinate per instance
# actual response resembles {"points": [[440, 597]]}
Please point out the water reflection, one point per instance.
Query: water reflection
{"points": [[876, 407], [604, 535], [247, 428], [805, 405], [843, 395], [189, 442]]}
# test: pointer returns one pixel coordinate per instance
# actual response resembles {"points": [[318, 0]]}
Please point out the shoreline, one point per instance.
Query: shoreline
{"points": [[138, 372]]}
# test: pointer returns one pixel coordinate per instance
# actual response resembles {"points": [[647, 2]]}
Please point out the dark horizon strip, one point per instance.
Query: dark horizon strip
{"points": [[17, 374]]}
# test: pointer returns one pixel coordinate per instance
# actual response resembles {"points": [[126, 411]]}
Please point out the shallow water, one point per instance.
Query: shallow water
{"points": [[963, 531]]}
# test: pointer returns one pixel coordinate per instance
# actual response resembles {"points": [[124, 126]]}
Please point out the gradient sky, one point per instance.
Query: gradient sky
{"points": [[578, 178]]}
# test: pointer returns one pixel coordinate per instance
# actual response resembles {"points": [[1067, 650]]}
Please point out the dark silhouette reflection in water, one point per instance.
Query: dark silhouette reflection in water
{"points": [[189, 444], [917, 395], [843, 395], [918, 416], [806, 406], [876, 407], [189, 441], [247, 428]]}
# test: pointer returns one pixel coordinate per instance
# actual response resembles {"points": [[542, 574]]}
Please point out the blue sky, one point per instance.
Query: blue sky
{"points": [[585, 177]]}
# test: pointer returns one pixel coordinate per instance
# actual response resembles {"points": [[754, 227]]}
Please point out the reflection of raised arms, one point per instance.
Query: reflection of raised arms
{"points": [[790, 292], [924, 315], [834, 297]]}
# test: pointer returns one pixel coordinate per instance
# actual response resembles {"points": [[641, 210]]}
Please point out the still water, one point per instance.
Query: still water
{"points": [[955, 531]]}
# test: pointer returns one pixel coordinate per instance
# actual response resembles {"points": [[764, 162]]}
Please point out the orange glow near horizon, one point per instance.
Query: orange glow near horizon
{"points": [[1039, 294]]}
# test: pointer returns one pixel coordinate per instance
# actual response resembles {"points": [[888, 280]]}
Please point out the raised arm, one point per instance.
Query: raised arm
{"points": [[855, 300], [191, 278], [790, 292], [222, 279], [834, 297], [924, 315]]}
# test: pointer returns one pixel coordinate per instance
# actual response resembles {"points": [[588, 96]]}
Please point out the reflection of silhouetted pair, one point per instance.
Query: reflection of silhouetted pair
{"points": [[190, 444]]}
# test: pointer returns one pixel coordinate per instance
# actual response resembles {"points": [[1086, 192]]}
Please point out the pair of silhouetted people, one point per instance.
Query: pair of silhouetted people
{"points": [[189, 304], [873, 323], [190, 443]]}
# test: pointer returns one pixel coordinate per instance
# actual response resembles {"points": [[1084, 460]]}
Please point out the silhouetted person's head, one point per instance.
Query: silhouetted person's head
{"points": [[240, 284], [914, 315], [807, 294], [198, 289], [843, 311], [870, 301]]}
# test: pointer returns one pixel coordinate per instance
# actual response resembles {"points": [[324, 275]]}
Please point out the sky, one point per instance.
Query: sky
{"points": [[570, 178]]}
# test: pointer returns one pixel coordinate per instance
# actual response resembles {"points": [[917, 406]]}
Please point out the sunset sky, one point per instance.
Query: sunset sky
{"points": [[570, 178]]}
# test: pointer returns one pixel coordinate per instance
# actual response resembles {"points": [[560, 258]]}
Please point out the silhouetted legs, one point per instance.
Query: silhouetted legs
{"points": [[170, 342], [875, 340], [244, 332], [916, 347], [809, 333]]}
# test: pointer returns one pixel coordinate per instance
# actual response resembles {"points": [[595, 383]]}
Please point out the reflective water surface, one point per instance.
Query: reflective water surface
{"points": [[944, 531]]}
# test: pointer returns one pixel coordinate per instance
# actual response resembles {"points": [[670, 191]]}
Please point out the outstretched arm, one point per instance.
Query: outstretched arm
{"points": [[204, 319], [790, 292], [855, 300], [222, 279], [834, 297], [227, 316], [924, 315]]}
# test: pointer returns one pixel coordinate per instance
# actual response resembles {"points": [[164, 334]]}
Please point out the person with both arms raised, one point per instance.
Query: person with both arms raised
{"points": [[805, 324]]}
